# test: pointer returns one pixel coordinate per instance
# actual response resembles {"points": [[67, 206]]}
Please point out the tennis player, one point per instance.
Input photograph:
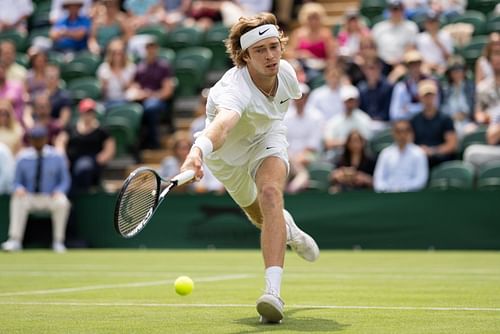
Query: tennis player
{"points": [[245, 147]]}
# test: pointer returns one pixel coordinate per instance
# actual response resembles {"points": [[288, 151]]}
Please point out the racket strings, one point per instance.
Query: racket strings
{"points": [[137, 203]]}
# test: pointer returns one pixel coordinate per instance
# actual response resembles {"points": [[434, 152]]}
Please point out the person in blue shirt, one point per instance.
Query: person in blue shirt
{"points": [[70, 34], [40, 184]]}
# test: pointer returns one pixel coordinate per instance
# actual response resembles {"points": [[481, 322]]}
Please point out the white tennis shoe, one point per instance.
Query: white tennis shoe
{"points": [[58, 247], [12, 246], [299, 241], [270, 307]]}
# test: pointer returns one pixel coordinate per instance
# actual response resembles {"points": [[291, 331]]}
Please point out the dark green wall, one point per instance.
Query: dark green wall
{"points": [[442, 220]]}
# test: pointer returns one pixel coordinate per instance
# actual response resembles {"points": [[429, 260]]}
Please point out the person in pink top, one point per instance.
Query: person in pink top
{"points": [[12, 91], [312, 42], [350, 34]]}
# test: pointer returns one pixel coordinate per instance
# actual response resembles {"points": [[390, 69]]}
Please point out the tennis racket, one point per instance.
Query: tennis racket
{"points": [[139, 198]]}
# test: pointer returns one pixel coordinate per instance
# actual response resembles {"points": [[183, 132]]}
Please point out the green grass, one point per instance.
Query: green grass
{"points": [[344, 292]]}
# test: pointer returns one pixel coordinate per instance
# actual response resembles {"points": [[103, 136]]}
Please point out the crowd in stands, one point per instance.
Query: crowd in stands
{"points": [[68, 66]]}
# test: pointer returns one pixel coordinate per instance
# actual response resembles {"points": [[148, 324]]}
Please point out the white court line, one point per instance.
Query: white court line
{"points": [[117, 286], [341, 307]]}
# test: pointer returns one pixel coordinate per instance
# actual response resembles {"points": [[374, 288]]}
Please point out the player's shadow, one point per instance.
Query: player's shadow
{"points": [[294, 322]]}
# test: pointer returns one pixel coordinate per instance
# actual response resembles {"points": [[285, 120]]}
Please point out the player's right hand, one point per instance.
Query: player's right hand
{"points": [[194, 162]]}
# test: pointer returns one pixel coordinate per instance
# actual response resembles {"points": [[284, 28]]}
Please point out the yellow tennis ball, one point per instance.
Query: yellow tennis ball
{"points": [[183, 285]]}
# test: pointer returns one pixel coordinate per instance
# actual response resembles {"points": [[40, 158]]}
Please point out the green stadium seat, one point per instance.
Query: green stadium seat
{"points": [[476, 137], [167, 54], [372, 8], [38, 32], [493, 23], [155, 30], [183, 37], [85, 87], [476, 18], [132, 112], [120, 128], [473, 50], [483, 6], [377, 19], [22, 59], [489, 176], [71, 71], [317, 81], [191, 67], [456, 174], [89, 60], [214, 40], [319, 176], [15, 37], [380, 141]]}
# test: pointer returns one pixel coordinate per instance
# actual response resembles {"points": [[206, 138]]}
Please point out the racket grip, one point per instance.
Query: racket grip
{"points": [[183, 177]]}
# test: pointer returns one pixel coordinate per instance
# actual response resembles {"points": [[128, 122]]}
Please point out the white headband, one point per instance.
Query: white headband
{"points": [[257, 34]]}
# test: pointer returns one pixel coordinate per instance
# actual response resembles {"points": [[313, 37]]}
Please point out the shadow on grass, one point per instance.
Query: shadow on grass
{"points": [[293, 322]]}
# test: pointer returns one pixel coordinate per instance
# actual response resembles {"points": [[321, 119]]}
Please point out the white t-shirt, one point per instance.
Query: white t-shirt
{"points": [[117, 82], [339, 127], [327, 101], [430, 51], [13, 10], [392, 40], [260, 115], [303, 131]]}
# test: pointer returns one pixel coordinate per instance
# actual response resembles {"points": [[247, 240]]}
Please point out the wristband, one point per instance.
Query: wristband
{"points": [[204, 144]]}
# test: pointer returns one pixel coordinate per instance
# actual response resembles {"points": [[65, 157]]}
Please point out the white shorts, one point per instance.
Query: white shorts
{"points": [[239, 181]]}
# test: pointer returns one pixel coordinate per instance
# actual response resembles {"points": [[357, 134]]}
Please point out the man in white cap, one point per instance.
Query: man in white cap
{"points": [[244, 145]]}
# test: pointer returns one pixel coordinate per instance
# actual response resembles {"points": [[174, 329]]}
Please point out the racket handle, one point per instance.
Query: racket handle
{"points": [[183, 177]]}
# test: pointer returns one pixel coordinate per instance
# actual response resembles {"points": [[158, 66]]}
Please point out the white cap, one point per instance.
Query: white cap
{"points": [[348, 92]]}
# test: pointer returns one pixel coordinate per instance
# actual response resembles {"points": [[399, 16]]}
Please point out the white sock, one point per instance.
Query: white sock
{"points": [[273, 279]]}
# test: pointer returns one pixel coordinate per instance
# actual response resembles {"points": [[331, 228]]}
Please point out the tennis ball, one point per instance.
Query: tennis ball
{"points": [[183, 285]]}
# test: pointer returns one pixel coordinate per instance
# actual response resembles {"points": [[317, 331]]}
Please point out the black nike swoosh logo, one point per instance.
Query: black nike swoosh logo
{"points": [[263, 31], [269, 147], [283, 101]]}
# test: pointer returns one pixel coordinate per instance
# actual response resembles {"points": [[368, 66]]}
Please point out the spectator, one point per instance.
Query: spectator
{"points": [[354, 168], [41, 182], [59, 10], [39, 114], [116, 73], [375, 91], [88, 146], [174, 12], [488, 94], [198, 123], [402, 166], [458, 96], [153, 85], [483, 66], [108, 25], [36, 78], [480, 154], [395, 35], [11, 131], [15, 71], [312, 42], [449, 8], [304, 138], [326, 99], [60, 99], [12, 91], [14, 15], [352, 31], [434, 131], [405, 102], [435, 45], [70, 33], [7, 164], [338, 127], [142, 12]]}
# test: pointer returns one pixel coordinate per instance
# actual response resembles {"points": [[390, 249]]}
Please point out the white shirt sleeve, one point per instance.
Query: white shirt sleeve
{"points": [[419, 181], [379, 181]]}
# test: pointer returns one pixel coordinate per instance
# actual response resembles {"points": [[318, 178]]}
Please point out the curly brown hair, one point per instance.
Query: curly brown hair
{"points": [[245, 24]]}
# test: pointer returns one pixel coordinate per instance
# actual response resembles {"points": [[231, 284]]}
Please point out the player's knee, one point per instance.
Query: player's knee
{"points": [[270, 193]]}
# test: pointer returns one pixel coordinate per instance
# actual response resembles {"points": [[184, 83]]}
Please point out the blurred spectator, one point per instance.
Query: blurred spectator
{"points": [[435, 45], [312, 42], [116, 73], [395, 35], [153, 85], [198, 123], [15, 71], [60, 99], [88, 146], [375, 91], [479, 154], [434, 131], [402, 166], [304, 138], [11, 131], [174, 12], [36, 78], [12, 91], [14, 15], [70, 33], [405, 101], [352, 31], [354, 168], [458, 96], [108, 24], [326, 99], [339, 126], [449, 8], [415, 8], [484, 69], [40, 114], [41, 183], [488, 93], [142, 12], [7, 166], [59, 10], [204, 14]]}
